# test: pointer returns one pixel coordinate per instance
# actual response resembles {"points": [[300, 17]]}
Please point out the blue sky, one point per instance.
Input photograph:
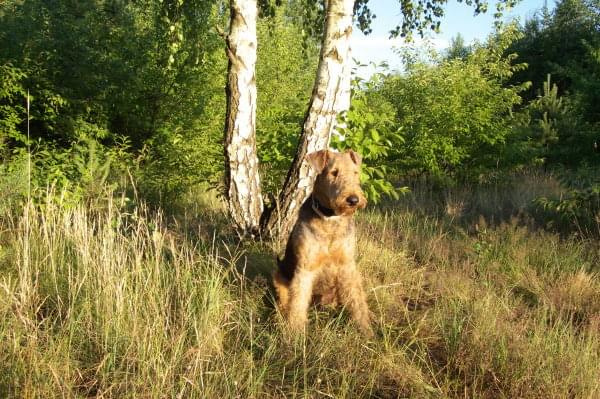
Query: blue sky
{"points": [[377, 46]]}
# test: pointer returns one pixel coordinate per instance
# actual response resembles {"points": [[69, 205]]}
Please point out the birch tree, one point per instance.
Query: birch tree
{"points": [[242, 181], [330, 96]]}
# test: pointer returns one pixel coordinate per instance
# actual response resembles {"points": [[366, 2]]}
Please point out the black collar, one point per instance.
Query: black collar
{"points": [[321, 210]]}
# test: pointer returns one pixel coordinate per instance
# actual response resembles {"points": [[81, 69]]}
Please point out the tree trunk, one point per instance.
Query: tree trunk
{"points": [[331, 95], [242, 181]]}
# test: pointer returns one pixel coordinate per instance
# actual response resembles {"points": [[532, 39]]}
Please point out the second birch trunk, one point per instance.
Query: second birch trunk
{"points": [[330, 96]]}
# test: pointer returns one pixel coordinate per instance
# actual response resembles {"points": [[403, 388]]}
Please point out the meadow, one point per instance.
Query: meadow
{"points": [[122, 274], [471, 295]]}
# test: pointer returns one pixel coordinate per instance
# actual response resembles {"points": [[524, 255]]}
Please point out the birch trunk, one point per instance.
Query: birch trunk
{"points": [[331, 95], [242, 182]]}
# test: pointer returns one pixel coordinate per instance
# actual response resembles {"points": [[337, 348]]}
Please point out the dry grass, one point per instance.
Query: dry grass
{"points": [[122, 304]]}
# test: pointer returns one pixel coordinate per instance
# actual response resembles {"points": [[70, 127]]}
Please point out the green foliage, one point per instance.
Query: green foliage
{"points": [[422, 16], [558, 42], [285, 74], [128, 67], [137, 88], [456, 115], [14, 183], [81, 172], [368, 128], [562, 120], [555, 130], [141, 71], [546, 110], [458, 49], [152, 73], [586, 82], [415, 15], [12, 110], [579, 206], [174, 161]]}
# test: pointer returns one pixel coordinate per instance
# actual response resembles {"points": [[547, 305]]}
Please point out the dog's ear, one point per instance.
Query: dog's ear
{"points": [[355, 156], [318, 159]]}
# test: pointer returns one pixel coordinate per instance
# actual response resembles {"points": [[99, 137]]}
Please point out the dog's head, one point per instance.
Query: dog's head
{"points": [[338, 180]]}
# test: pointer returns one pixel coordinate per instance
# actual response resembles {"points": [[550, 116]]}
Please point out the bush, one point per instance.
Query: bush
{"points": [[456, 115], [79, 174], [284, 88], [12, 109], [144, 73], [578, 208], [552, 128], [368, 127]]}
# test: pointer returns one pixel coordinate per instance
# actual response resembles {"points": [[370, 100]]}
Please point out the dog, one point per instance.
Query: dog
{"points": [[319, 259]]}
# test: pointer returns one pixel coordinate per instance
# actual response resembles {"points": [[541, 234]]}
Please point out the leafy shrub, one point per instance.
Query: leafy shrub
{"points": [[285, 74], [456, 114], [558, 42], [172, 162], [144, 73], [579, 206], [82, 172], [554, 130], [586, 81], [12, 110], [128, 67], [368, 127]]}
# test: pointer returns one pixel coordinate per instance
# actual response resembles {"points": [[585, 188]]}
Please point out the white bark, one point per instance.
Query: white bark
{"points": [[241, 161], [331, 95]]}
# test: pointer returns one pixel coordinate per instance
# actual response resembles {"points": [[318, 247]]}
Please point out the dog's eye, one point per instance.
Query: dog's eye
{"points": [[334, 173]]}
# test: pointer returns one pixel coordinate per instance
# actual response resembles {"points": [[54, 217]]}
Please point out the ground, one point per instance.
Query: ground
{"points": [[472, 294]]}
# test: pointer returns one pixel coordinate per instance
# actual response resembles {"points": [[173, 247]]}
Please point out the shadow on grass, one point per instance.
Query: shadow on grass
{"points": [[200, 219], [467, 206]]}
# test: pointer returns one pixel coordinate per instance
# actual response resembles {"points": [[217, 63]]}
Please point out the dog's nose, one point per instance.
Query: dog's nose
{"points": [[352, 200]]}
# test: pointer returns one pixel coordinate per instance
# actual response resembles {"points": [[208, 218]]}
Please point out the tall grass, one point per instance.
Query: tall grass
{"points": [[106, 302]]}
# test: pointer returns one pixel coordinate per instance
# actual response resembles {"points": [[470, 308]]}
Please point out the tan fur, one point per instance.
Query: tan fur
{"points": [[319, 258]]}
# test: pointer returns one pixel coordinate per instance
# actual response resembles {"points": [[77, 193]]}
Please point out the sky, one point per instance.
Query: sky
{"points": [[378, 47]]}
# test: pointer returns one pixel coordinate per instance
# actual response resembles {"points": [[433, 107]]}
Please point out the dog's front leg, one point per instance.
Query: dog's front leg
{"points": [[352, 295], [301, 288]]}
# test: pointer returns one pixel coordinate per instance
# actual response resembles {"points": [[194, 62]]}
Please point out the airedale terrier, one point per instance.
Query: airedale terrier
{"points": [[319, 257]]}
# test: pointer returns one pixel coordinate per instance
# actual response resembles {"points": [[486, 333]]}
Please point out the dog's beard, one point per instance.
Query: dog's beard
{"points": [[348, 211], [343, 209]]}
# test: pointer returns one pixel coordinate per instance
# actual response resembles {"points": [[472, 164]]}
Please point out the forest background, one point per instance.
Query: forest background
{"points": [[481, 160]]}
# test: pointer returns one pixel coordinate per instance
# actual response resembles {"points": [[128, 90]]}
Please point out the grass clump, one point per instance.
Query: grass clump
{"points": [[467, 301]]}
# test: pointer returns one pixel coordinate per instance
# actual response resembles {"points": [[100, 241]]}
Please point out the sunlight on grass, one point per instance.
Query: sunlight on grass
{"points": [[116, 303]]}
